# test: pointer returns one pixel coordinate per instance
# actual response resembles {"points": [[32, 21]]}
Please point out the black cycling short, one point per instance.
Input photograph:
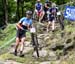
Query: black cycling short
{"points": [[21, 33], [45, 9], [51, 17]]}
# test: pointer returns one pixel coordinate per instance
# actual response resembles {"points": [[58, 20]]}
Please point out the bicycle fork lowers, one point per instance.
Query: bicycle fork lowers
{"points": [[35, 43]]}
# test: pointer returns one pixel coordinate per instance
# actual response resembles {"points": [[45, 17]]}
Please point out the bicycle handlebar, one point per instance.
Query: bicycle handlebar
{"points": [[32, 30]]}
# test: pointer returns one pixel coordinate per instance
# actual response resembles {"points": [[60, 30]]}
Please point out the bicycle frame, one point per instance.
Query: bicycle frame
{"points": [[35, 42], [60, 20]]}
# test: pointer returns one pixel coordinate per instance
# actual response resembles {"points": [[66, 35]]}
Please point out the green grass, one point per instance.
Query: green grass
{"points": [[23, 60], [7, 34]]}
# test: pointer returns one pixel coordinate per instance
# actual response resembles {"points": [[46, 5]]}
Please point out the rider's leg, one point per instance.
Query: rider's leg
{"points": [[41, 15], [53, 25], [36, 14], [22, 44], [17, 44], [44, 16], [49, 23]]}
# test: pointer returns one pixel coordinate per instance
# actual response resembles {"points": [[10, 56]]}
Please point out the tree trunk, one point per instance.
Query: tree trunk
{"points": [[17, 12], [22, 6], [5, 4]]}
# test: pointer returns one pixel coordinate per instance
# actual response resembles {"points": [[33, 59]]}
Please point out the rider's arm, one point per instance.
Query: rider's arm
{"points": [[19, 24], [56, 9], [41, 7], [46, 5], [30, 26]]}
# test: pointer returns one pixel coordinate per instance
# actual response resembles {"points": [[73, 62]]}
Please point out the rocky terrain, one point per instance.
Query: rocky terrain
{"points": [[56, 47]]}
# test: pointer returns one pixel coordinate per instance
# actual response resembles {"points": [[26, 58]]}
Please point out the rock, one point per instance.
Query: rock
{"points": [[13, 44], [57, 46], [27, 49], [11, 62], [36, 62], [64, 62], [46, 38], [12, 50], [46, 62], [57, 62], [69, 41], [40, 41], [52, 55], [1, 62], [40, 35], [27, 43], [42, 53], [69, 46]]}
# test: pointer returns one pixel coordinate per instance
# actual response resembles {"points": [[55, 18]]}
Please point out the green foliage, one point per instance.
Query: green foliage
{"points": [[12, 10], [7, 34], [59, 2]]}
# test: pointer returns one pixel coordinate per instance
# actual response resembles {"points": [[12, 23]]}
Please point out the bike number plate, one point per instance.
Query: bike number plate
{"points": [[32, 30], [58, 13]]}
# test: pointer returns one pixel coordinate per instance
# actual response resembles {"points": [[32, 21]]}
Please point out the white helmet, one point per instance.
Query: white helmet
{"points": [[53, 5], [38, 0], [29, 12]]}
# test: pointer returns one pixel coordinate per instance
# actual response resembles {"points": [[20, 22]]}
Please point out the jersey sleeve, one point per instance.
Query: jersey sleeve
{"points": [[56, 9], [22, 19], [50, 9], [31, 22]]}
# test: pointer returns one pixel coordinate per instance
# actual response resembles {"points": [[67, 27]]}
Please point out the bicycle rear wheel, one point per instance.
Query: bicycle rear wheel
{"points": [[60, 20]]}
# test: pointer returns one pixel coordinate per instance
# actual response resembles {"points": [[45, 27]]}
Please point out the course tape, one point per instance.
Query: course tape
{"points": [[8, 42]]}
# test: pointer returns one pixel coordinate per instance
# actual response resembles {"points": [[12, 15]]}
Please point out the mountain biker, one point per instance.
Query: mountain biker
{"points": [[25, 23], [52, 17], [46, 7], [39, 10]]}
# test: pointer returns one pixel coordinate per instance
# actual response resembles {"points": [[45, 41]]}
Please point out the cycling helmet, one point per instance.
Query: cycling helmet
{"points": [[47, 1], [29, 12], [53, 5], [38, 0]]}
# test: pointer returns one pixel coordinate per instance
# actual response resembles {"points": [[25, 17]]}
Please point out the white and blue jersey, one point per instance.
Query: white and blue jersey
{"points": [[38, 6], [52, 14], [53, 10], [25, 21]]}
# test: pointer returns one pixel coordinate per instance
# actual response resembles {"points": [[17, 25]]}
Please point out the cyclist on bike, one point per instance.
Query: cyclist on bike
{"points": [[52, 17], [46, 7], [24, 24], [39, 10]]}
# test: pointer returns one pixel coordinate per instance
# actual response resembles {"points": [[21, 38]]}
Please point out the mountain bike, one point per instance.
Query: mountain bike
{"points": [[35, 42], [60, 19]]}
